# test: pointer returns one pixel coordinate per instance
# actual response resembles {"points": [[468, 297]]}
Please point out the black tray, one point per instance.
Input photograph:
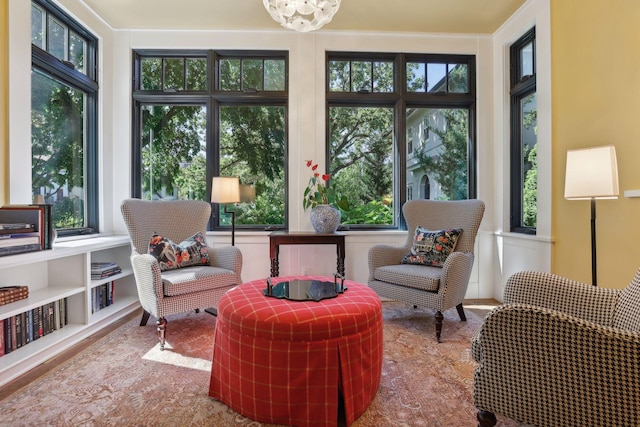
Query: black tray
{"points": [[305, 290]]}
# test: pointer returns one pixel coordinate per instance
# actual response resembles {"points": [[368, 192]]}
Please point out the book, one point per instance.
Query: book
{"points": [[20, 249], [28, 228], [40, 216], [17, 241], [10, 294], [16, 226], [105, 274], [1, 337], [102, 266]]}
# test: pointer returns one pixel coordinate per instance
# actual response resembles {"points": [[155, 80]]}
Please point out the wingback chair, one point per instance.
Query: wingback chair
{"points": [[436, 287], [560, 353], [164, 289]]}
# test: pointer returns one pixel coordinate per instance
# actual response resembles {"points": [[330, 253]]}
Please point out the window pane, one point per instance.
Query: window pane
{"points": [[58, 146], [151, 74], [361, 76], [78, 52], [230, 74], [173, 152], [173, 74], [458, 78], [439, 167], [252, 74], [252, 147], [529, 179], [383, 76], [274, 75], [526, 60], [436, 81], [361, 162], [57, 39], [339, 79], [37, 26], [196, 74], [416, 77]]}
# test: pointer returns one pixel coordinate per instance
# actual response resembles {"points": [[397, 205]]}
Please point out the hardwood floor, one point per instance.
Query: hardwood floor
{"points": [[478, 306]]}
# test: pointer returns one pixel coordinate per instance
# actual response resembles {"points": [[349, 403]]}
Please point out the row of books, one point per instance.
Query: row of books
{"points": [[24, 328], [25, 228], [13, 293], [102, 296], [102, 270]]}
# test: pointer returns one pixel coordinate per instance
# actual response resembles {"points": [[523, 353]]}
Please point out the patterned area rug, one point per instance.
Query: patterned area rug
{"points": [[125, 380]]}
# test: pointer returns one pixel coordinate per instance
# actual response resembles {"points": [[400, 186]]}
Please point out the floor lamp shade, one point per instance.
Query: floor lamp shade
{"points": [[592, 173], [226, 189]]}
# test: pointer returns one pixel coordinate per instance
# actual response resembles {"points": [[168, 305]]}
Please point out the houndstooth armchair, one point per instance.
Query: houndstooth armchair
{"points": [[437, 288], [163, 293], [560, 353]]}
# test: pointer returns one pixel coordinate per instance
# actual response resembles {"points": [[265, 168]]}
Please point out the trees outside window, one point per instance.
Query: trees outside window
{"points": [[64, 91], [396, 122], [524, 130], [192, 124]]}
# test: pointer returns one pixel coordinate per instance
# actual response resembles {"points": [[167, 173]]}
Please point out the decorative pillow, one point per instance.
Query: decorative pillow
{"points": [[432, 247], [191, 251]]}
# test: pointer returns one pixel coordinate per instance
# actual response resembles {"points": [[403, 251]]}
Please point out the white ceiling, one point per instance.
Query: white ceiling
{"points": [[426, 16]]}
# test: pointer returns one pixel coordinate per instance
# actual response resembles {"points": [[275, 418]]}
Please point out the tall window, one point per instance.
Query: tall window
{"points": [[200, 114], [524, 135], [394, 119], [64, 92]]}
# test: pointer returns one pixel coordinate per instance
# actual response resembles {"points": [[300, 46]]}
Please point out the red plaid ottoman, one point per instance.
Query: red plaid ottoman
{"points": [[289, 362]]}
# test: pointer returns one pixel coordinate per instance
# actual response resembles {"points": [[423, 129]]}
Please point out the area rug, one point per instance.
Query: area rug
{"points": [[125, 380]]}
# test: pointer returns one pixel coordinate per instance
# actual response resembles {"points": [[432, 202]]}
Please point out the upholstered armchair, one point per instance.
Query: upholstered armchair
{"points": [[560, 353], [182, 273], [440, 282]]}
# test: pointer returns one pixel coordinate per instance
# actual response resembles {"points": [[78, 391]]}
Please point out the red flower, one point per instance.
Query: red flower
{"points": [[314, 167], [326, 177], [309, 163]]}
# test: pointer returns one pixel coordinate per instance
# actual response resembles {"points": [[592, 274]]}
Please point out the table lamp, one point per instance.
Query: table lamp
{"points": [[592, 173], [225, 190]]}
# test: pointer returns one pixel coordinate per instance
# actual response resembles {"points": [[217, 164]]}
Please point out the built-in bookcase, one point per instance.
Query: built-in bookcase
{"points": [[64, 272]]}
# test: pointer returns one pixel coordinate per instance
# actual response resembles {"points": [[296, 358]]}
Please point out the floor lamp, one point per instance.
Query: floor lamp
{"points": [[592, 173], [225, 190]]}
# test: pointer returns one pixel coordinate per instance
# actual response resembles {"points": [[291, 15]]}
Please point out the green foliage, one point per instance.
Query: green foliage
{"points": [[530, 197], [320, 192], [373, 212]]}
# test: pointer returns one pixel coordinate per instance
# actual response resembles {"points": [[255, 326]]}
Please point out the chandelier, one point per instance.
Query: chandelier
{"points": [[302, 15]]}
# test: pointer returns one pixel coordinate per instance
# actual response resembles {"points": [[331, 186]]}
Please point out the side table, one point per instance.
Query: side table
{"points": [[278, 238]]}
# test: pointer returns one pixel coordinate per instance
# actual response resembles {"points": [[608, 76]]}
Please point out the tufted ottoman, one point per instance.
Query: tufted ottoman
{"points": [[290, 362]]}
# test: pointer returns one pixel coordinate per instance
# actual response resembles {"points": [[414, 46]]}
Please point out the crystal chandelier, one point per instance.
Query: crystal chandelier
{"points": [[302, 15]]}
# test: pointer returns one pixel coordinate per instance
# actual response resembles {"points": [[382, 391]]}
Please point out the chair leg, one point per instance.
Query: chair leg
{"points": [[197, 310], [439, 318], [463, 318], [145, 318], [162, 326], [486, 419]]}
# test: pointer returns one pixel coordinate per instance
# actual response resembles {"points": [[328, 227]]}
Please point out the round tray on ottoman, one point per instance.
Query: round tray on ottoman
{"points": [[290, 362]]}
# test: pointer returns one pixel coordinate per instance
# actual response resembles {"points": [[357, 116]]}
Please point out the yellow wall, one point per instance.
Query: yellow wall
{"points": [[596, 101], [4, 100]]}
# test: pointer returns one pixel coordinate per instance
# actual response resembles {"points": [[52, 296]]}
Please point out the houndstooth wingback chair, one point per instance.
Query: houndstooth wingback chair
{"points": [[437, 288], [163, 293], [560, 353]]}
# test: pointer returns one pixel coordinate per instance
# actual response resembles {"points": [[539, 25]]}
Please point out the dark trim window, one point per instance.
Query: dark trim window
{"points": [[64, 136], [524, 134], [394, 122], [203, 114]]}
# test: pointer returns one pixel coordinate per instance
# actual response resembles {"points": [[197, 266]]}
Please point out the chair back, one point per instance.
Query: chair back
{"points": [[173, 219], [438, 215], [627, 314]]}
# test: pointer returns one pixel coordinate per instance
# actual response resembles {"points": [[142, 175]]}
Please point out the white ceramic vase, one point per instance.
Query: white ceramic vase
{"points": [[325, 219]]}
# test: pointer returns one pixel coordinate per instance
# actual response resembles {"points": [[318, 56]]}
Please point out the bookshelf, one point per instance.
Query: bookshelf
{"points": [[64, 272]]}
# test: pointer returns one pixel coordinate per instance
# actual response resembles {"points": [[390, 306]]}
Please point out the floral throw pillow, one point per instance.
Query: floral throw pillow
{"points": [[432, 247], [191, 251]]}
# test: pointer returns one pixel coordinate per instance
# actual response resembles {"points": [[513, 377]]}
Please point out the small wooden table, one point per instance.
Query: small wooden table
{"points": [[278, 238]]}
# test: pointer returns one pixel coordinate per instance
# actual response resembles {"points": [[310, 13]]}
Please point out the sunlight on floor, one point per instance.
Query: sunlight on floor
{"points": [[169, 357]]}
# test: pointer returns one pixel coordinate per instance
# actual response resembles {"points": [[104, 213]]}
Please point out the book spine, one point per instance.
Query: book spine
{"points": [[1, 337], [14, 336], [7, 335]]}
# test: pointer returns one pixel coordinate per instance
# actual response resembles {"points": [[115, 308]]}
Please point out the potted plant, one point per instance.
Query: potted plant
{"points": [[323, 200]]}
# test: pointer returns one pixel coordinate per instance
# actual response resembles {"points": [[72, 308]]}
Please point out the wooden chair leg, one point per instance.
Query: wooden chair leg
{"points": [[463, 318], [439, 318], [162, 326], [486, 419], [145, 318]]}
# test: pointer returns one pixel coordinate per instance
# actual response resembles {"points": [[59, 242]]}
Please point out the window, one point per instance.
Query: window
{"points": [[64, 92], [524, 130], [200, 114], [393, 119]]}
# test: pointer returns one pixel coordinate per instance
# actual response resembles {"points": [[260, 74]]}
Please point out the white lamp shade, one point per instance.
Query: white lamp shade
{"points": [[592, 173], [225, 189]]}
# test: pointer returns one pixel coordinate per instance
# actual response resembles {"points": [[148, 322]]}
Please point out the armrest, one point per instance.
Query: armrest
{"points": [[530, 357], [455, 277], [146, 270], [228, 257], [380, 255], [562, 294]]}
